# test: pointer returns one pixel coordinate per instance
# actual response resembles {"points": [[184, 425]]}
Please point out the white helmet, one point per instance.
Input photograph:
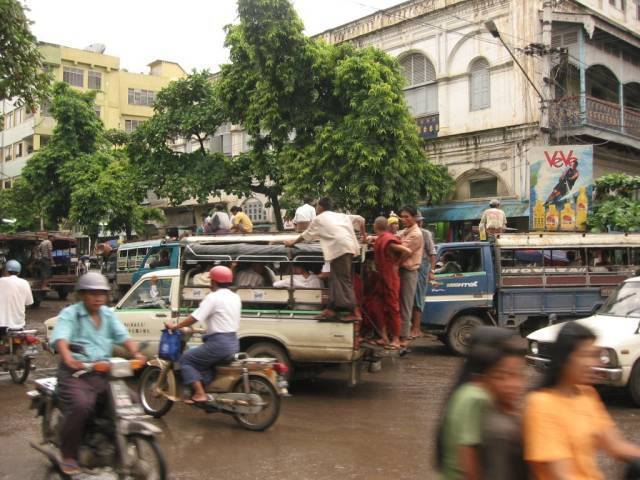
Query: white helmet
{"points": [[92, 281]]}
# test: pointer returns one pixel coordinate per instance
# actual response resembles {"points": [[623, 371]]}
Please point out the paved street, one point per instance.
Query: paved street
{"points": [[383, 428]]}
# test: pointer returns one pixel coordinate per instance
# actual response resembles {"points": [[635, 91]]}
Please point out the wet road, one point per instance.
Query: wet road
{"points": [[381, 429]]}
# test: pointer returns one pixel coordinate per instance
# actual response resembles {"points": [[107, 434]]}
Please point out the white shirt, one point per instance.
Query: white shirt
{"points": [[15, 295], [224, 222], [335, 233], [312, 281], [305, 213], [249, 278], [220, 311]]}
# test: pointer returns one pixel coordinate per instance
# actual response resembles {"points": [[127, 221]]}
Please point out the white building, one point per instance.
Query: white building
{"points": [[479, 112]]}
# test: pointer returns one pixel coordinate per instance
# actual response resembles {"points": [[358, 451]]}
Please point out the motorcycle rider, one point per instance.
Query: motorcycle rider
{"points": [[90, 324], [220, 312], [15, 295]]}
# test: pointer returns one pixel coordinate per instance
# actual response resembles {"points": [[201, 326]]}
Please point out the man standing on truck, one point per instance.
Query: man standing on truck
{"points": [[425, 274], [304, 215], [339, 245], [411, 238], [220, 312], [46, 261], [493, 220], [15, 295]]}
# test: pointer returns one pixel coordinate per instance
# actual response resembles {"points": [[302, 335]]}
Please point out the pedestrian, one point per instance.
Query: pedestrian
{"points": [[389, 252], [240, 221], [469, 445], [46, 261], [493, 220], [565, 422], [425, 274], [394, 223], [411, 238], [220, 221], [15, 295], [339, 245], [304, 214]]}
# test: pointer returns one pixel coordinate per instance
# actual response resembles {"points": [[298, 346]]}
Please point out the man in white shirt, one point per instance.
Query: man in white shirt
{"points": [[220, 221], [302, 278], [304, 215], [220, 313], [15, 295], [251, 277], [339, 246], [493, 220]]}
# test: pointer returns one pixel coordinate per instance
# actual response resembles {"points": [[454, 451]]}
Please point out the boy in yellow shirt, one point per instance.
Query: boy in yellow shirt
{"points": [[241, 222]]}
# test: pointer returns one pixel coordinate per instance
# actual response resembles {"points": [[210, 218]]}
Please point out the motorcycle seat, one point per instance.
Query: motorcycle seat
{"points": [[226, 361]]}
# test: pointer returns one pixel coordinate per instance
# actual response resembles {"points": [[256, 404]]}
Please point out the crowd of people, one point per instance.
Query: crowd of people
{"points": [[219, 222]]}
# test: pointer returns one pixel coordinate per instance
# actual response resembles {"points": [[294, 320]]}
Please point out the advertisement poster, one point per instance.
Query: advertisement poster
{"points": [[561, 179]]}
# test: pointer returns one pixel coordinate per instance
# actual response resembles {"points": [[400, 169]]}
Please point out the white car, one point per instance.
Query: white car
{"points": [[617, 329]]}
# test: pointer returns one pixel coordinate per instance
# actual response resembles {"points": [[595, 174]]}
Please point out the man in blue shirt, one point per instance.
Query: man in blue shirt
{"points": [[91, 325]]}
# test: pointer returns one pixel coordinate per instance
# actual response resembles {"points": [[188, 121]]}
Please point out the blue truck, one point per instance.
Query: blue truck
{"points": [[524, 281]]}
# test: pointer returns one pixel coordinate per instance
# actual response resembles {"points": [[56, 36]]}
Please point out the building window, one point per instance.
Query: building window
{"points": [[19, 150], [139, 96], [44, 108], [7, 154], [254, 209], [73, 76], [95, 80], [479, 85], [97, 109], [131, 125], [19, 116], [482, 188], [8, 121], [7, 184], [421, 91]]}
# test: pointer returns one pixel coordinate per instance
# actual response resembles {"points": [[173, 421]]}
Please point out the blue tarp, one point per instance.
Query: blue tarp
{"points": [[455, 212]]}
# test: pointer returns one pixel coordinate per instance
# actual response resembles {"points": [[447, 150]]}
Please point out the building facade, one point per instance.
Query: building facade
{"points": [[123, 100], [479, 112]]}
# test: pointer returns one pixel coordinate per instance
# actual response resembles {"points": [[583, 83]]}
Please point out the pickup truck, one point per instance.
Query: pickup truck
{"points": [[521, 280], [276, 322]]}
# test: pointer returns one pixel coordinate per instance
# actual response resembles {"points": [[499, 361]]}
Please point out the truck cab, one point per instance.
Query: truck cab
{"points": [[160, 257]]}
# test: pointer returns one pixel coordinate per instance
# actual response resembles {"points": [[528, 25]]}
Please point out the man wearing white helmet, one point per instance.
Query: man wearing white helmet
{"points": [[15, 295], [494, 220], [91, 325]]}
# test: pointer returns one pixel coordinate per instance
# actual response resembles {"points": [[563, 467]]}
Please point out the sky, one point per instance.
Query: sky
{"points": [[189, 32]]}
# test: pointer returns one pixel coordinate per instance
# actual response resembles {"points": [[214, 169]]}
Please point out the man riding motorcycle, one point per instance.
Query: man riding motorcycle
{"points": [[92, 325], [220, 312]]}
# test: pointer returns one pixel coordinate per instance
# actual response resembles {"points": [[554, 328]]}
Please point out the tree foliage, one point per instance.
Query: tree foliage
{"points": [[80, 175], [21, 73], [616, 205]]}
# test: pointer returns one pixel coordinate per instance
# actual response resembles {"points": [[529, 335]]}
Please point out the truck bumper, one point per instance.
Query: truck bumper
{"points": [[606, 375]]}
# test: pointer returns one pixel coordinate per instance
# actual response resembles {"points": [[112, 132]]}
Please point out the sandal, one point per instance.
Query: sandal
{"points": [[71, 468], [392, 347]]}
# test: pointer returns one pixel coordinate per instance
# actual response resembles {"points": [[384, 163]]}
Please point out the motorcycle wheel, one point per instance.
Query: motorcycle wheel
{"points": [[20, 370], [259, 421], [149, 463], [153, 404]]}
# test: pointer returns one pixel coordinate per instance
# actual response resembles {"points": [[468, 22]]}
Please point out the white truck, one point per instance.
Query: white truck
{"points": [[276, 322]]}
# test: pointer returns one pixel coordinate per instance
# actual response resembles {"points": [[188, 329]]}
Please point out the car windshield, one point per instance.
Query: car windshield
{"points": [[624, 302]]}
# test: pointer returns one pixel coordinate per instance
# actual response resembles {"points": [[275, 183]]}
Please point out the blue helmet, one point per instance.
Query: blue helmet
{"points": [[13, 266]]}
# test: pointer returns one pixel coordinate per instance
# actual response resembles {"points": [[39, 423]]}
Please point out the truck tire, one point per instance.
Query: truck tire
{"points": [[634, 384], [459, 332], [271, 350]]}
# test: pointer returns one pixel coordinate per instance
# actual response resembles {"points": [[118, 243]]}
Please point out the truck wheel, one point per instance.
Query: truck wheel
{"points": [[459, 333], [634, 384], [271, 350]]}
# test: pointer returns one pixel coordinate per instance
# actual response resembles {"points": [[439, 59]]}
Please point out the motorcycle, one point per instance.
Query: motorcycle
{"points": [[249, 389], [18, 348], [116, 439]]}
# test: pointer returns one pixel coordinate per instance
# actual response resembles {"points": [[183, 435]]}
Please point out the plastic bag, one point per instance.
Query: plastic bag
{"points": [[170, 345]]}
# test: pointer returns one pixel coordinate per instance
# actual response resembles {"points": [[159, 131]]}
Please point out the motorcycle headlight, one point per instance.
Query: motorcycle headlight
{"points": [[534, 348]]}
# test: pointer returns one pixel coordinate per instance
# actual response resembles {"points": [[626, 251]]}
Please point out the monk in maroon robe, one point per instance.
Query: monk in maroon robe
{"points": [[389, 252]]}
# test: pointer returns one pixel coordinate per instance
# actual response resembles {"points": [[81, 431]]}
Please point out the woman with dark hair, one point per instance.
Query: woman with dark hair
{"points": [[480, 435], [565, 422]]}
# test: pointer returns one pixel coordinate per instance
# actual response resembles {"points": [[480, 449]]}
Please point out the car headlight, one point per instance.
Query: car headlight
{"points": [[534, 348], [608, 357]]}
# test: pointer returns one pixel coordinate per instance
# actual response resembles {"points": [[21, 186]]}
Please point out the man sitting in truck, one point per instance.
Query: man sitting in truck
{"points": [[302, 278], [449, 264]]}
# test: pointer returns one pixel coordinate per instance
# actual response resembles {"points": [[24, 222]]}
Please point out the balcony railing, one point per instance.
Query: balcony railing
{"points": [[565, 113]]}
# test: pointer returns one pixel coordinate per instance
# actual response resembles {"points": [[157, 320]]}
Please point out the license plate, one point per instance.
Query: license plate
{"points": [[32, 351]]}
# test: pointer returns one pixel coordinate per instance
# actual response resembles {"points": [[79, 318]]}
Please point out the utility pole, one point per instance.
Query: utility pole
{"points": [[547, 10]]}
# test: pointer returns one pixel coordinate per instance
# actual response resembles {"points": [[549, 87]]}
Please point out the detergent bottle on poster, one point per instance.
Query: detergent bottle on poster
{"points": [[538, 215], [552, 219], [582, 208], [568, 218]]}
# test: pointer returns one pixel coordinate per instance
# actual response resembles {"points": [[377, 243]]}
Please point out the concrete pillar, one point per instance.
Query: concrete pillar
{"points": [[621, 103], [583, 76]]}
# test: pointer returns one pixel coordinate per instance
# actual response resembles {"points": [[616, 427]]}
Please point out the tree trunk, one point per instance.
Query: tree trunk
{"points": [[127, 231], [275, 204]]}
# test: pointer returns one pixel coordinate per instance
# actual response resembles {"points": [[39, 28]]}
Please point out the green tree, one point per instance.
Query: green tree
{"points": [[81, 174], [616, 206], [186, 110], [21, 73]]}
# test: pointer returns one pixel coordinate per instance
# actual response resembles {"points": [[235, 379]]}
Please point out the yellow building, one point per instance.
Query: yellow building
{"points": [[123, 100]]}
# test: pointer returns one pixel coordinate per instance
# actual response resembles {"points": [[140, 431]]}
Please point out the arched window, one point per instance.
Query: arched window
{"points": [[479, 85], [421, 91], [254, 209]]}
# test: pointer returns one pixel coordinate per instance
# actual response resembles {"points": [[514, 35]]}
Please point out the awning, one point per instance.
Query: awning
{"points": [[454, 212]]}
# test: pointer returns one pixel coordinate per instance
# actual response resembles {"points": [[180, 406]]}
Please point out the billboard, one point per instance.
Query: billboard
{"points": [[561, 182]]}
